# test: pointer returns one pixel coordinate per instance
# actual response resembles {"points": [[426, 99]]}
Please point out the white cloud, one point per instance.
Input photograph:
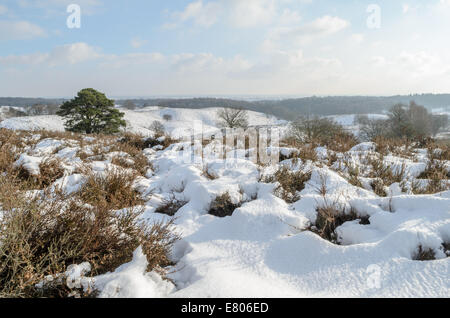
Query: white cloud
{"points": [[323, 26], [250, 13], [235, 13], [73, 54], [357, 38], [421, 63], [287, 36], [3, 9], [289, 16], [203, 15], [131, 59], [61, 55], [20, 30], [137, 42]]}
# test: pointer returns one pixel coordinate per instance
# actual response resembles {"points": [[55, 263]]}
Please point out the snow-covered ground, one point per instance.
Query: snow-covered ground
{"points": [[139, 121], [265, 248]]}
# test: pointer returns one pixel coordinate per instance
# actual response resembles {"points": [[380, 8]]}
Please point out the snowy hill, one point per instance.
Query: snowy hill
{"points": [[139, 121], [390, 212]]}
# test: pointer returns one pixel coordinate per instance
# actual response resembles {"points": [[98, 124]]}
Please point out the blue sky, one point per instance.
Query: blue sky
{"points": [[225, 47]]}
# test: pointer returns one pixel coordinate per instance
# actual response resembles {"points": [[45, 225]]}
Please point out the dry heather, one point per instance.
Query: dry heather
{"points": [[42, 235], [290, 183], [398, 146], [436, 172], [223, 206], [331, 216], [424, 254], [11, 144], [51, 169], [140, 142], [171, 206], [112, 189]]}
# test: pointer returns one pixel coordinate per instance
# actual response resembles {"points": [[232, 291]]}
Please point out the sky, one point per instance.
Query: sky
{"points": [[140, 48]]}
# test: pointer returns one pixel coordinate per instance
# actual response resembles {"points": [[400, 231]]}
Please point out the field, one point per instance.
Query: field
{"points": [[344, 220]]}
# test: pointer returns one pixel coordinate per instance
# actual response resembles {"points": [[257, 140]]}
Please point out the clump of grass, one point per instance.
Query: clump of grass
{"points": [[223, 206], [437, 175], [331, 216], [61, 135], [50, 171], [290, 183], [398, 146], [171, 206], [342, 141], [424, 254], [208, 174], [137, 162], [384, 175], [353, 173], [112, 189], [378, 187], [134, 140], [306, 151], [10, 145], [44, 236], [139, 142], [446, 247]]}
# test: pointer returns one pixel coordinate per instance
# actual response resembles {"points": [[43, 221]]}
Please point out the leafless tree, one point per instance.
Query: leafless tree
{"points": [[233, 118], [158, 128], [128, 104], [167, 117]]}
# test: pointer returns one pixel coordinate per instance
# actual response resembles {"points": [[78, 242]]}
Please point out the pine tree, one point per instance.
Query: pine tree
{"points": [[91, 112]]}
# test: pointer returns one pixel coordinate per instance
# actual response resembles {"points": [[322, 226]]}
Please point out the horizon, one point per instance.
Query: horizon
{"points": [[248, 97], [190, 47]]}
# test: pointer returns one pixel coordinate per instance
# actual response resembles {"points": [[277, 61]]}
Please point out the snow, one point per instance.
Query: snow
{"points": [[139, 121], [53, 123], [29, 163], [131, 281], [265, 249]]}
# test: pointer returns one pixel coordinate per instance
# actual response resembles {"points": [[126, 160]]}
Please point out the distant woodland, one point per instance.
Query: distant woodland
{"points": [[286, 109]]}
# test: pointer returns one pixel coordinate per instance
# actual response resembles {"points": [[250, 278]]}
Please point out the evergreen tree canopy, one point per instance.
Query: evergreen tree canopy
{"points": [[91, 112]]}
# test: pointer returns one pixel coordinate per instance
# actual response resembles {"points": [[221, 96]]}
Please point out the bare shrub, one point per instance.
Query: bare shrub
{"points": [[446, 248], [233, 118], [424, 254], [330, 216], [44, 236], [50, 170], [353, 173], [370, 129], [171, 206], [128, 104], [158, 128], [290, 183], [112, 189], [223, 206], [378, 187], [135, 141], [399, 146], [10, 145], [436, 173], [322, 131], [387, 174]]}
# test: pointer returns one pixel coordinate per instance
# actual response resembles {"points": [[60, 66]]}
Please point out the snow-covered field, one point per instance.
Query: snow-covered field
{"points": [[139, 121], [266, 248]]}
